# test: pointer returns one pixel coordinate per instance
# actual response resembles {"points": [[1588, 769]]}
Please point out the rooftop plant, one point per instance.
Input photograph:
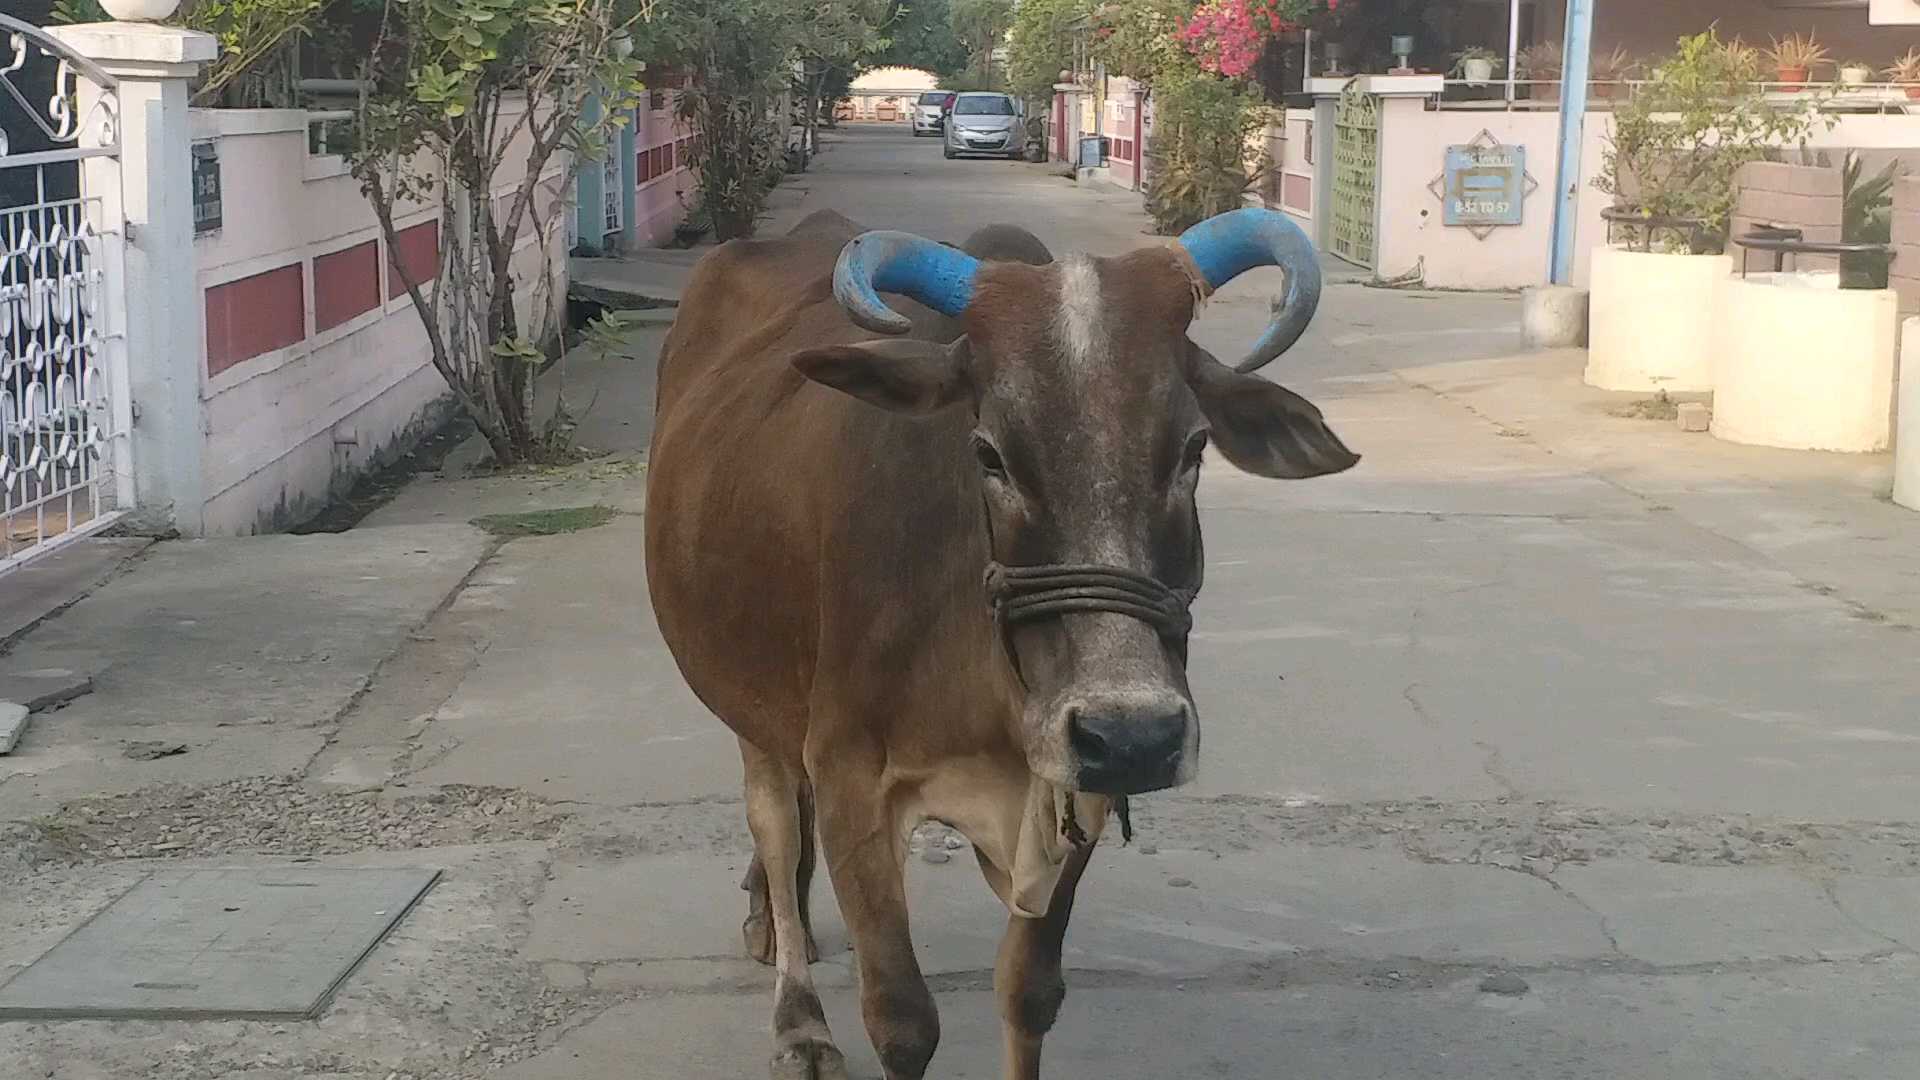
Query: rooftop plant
{"points": [[1678, 142]]}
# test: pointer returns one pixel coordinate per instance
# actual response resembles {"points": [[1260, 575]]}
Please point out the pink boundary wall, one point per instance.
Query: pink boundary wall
{"points": [[659, 202]]}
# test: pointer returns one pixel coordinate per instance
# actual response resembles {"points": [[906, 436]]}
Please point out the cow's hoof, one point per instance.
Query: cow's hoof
{"points": [[758, 936], [808, 1059], [757, 933]]}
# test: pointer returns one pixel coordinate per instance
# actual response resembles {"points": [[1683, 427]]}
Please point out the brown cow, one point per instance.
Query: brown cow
{"points": [[823, 509]]}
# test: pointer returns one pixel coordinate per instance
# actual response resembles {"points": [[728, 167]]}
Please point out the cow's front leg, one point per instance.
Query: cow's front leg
{"points": [[1026, 979], [866, 855]]}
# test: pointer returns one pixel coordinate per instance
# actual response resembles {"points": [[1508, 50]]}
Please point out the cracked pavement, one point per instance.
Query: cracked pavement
{"points": [[1537, 691]]}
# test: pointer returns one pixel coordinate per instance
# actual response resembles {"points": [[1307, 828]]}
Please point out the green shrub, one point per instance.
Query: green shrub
{"points": [[1200, 164], [1679, 140]]}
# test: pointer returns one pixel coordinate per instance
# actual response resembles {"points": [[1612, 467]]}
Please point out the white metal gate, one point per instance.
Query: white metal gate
{"points": [[612, 192], [64, 408]]}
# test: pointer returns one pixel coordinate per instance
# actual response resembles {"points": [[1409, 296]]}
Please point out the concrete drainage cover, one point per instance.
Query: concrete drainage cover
{"points": [[259, 943]]}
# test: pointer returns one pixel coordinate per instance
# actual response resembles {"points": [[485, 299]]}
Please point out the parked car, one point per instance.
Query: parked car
{"points": [[982, 123], [930, 115]]}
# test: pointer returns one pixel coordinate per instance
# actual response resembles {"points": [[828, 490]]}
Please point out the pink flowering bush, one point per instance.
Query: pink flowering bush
{"points": [[1227, 36]]}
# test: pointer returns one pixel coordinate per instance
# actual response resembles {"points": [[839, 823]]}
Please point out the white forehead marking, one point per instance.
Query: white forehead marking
{"points": [[1079, 324]]}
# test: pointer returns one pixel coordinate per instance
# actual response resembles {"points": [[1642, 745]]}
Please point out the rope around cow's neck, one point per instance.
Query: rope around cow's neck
{"points": [[1021, 594]]}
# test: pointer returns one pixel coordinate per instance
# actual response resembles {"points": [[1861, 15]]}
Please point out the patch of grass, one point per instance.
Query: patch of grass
{"points": [[1658, 407], [546, 522]]}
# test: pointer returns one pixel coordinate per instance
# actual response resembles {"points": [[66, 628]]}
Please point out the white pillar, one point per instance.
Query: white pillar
{"points": [[158, 297], [1906, 435]]}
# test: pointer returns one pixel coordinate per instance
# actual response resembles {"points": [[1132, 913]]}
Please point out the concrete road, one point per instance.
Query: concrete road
{"points": [[1548, 742]]}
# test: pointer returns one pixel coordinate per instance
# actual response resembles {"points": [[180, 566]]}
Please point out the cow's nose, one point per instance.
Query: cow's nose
{"points": [[1127, 745]]}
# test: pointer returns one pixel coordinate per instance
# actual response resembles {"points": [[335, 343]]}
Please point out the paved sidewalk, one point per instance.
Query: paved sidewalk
{"points": [[1547, 742]]}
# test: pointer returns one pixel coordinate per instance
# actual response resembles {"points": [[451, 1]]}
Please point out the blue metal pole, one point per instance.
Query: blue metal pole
{"points": [[1575, 65]]}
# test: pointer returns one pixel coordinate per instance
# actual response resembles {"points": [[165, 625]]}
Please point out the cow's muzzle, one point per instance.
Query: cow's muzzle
{"points": [[1120, 742], [1127, 744]]}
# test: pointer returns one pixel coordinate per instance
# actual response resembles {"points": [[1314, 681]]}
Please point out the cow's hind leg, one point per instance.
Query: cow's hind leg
{"points": [[1026, 979], [757, 930], [803, 1048]]}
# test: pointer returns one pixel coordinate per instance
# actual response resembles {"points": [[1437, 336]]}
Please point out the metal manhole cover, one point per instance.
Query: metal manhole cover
{"points": [[262, 942]]}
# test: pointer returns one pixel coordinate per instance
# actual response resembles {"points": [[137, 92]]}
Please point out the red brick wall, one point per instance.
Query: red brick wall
{"points": [[1805, 197], [415, 258], [345, 284], [255, 315]]}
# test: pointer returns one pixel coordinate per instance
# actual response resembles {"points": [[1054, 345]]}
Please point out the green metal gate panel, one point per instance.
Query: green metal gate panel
{"points": [[1356, 162]]}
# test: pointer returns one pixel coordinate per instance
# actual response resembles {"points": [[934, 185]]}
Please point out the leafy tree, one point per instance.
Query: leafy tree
{"points": [[981, 27], [467, 98], [920, 34], [831, 35], [1141, 39], [1041, 44], [741, 54], [257, 42]]}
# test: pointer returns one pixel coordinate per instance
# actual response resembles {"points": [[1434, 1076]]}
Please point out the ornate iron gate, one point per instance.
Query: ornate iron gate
{"points": [[1356, 165], [64, 407]]}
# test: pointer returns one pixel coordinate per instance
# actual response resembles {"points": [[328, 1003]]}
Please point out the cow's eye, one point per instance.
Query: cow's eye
{"points": [[990, 460], [1195, 450]]}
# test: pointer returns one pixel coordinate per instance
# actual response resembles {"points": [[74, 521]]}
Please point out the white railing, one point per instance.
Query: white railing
{"points": [[1603, 94]]}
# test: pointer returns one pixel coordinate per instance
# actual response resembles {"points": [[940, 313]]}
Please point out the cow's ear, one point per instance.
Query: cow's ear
{"points": [[1263, 427], [900, 374]]}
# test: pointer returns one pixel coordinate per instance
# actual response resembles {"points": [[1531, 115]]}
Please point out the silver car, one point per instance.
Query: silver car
{"points": [[982, 123]]}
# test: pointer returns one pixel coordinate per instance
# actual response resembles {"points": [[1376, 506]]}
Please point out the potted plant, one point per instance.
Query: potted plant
{"points": [[1905, 72], [1747, 60], [1794, 58], [1670, 164], [1608, 71], [1540, 65], [1476, 64], [1855, 72]]}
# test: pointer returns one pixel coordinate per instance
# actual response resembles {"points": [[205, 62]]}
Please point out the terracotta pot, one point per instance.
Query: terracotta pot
{"points": [[1914, 92], [1792, 75], [140, 10], [1601, 91]]}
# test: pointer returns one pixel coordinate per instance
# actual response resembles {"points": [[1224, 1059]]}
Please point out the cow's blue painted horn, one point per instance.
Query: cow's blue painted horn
{"points": [[884, 261], [1226, 246]]}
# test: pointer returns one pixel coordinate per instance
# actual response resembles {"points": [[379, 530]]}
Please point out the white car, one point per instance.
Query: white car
{"points": [[930, 113]]}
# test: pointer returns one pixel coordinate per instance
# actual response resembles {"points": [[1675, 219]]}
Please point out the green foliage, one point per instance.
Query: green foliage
{"points": [[920, 35], [71, 12], [1140, 40], [741, 54], [1866, 218], [981, 26], [1042, 44], [1678, 142], [257, 38], [484, 109], [1201, 165], [546, 522]]}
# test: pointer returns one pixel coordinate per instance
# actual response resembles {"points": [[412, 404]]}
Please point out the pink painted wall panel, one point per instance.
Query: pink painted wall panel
{"points": [[1296, 193], [345, 284], [415, 257]]}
